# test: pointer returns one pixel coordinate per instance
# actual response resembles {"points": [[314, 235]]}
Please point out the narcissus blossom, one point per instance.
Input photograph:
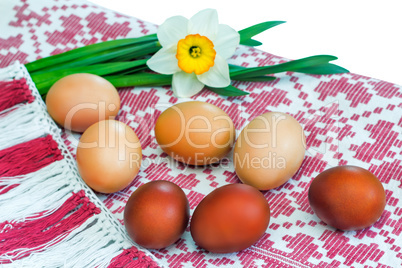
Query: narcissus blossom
{"points": [[195, 51]]}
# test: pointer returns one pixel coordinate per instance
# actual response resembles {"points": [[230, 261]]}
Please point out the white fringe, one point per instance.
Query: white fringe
{"points": [[86, 246], [47, 190], [11, 72], [22, 125]]}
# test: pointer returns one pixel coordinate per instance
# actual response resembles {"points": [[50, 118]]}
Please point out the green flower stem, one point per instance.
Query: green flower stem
{"points": [[140, 79], [44, 81], [128, 52], [138, 53], [263, 78], [87, 50], [152, 79]]}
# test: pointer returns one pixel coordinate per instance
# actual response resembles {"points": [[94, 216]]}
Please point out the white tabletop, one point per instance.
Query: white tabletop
{"points": [[365, 35]]}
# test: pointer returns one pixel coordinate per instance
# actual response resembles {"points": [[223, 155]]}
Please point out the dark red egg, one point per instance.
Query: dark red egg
{"points": [[156, 214], [347, 197], [230, 218]]}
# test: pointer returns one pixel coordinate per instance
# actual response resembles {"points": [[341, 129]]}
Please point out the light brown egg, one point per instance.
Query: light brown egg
{"points": [[79, 100], [269, 150], [347, 197], [108, 156], [195, 132]]}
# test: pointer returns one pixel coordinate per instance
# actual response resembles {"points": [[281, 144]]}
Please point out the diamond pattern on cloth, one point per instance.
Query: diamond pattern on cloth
{"points": [[347, 118]]}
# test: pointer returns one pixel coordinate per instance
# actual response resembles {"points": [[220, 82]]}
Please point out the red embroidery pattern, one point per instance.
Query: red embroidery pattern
{"points": [[347, 118]]}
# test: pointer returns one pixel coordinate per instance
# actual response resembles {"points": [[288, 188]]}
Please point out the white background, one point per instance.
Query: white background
{"points": [[366, 36]]}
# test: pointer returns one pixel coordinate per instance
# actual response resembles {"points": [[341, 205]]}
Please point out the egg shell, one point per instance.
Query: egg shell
{"points": [[269, 150], [230, 218], [156, 214], [109, 156], [79, 100], [195, 132], [347, 197]]}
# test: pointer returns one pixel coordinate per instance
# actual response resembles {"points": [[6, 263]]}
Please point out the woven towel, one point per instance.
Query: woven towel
{"points": [[49, 217], [348, 119]]}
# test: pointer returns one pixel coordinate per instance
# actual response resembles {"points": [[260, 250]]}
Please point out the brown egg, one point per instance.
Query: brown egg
{"points": [[79, 100], [156, 214], [109, 156], [269, 150], [347, 197], [230, 218], [195, 132]]}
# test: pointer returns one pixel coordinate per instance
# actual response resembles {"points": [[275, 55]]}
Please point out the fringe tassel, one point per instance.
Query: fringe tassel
{"points": [[132, 258], [16, 126], [5, 188], [11, 71], [14, 92], [46, 188], [35, 234], [92, 244], [29, 156]]}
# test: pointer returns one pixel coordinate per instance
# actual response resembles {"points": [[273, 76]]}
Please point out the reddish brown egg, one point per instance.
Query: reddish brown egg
{"points": [[347, 197], [230, 218], [156, 214]]}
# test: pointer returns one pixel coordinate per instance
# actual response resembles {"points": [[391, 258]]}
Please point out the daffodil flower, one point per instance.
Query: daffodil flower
{"points": [[195, 51]]}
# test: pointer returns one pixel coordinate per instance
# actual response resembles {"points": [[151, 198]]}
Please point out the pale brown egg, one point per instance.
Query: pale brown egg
{"points": [[195, 132], [79, 100], [109, 156], [269, 150], [347, 197]]}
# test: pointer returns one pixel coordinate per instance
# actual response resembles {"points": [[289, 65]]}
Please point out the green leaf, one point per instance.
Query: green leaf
{"points": [[233, 68], [140, 79], [251, 43], [128, 52], [98, 69], [152, 79], [44, 81], [87, 50], [263, 78], [247, 33], [229, 91], [327, 68], [282, 67], [138, 52], [133, 70]]}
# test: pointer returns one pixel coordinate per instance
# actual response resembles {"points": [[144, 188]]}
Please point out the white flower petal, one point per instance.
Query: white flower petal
{"points": [[204, 23], [172, 30], [186, 85], [164, 61], [226, 41], [218, 75]]}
